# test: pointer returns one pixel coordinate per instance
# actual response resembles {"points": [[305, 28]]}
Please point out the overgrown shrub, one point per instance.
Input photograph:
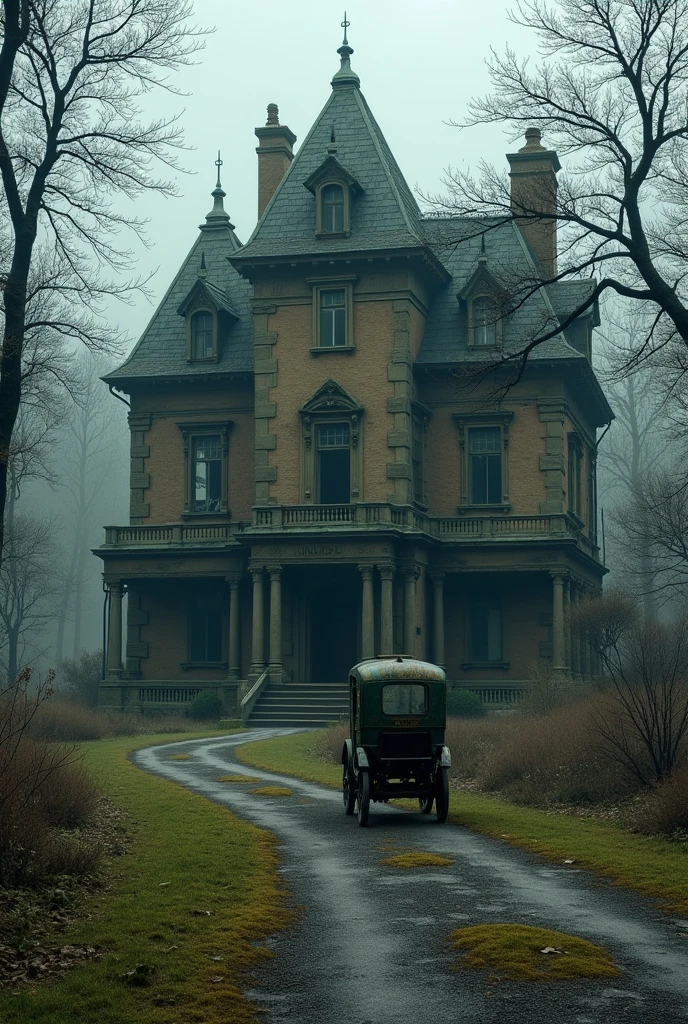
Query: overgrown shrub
{"points": [[665, 808], [464, 703], [548, 690], [60, 721], [206, 706], [80, 678]]}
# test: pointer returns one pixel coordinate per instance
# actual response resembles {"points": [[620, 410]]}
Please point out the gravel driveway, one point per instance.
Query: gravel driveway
{"points": [[370, 946]]}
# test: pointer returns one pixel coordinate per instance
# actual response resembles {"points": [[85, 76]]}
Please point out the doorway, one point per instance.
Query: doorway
{"points": [[334, 624]]}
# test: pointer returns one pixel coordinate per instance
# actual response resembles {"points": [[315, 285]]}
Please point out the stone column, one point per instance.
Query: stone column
{"points": [[575, 638], [558, 640], [114, 659], [276, 668], [438, 617], [567, 622], [258, 626], [234, 667], [386, 608], [367, 612], [410, 577]]}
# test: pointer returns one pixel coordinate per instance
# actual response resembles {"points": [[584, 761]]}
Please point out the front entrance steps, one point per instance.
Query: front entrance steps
{"points": [[300, 704]]}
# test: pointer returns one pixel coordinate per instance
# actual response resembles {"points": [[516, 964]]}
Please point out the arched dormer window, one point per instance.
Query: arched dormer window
{"points": [[332, 209], [484, 320], [203, 335]]}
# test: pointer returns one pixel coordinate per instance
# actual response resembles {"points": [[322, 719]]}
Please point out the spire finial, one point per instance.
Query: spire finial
{"points": [[345, 25], [345, 76], [218, 215], [218, 164]]}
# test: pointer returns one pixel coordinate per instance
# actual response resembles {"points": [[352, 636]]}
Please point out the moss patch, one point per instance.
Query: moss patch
{"points": [[272, 791], [417, 860], [180, 757], [237, 778], [190, 902], [514, 951]]}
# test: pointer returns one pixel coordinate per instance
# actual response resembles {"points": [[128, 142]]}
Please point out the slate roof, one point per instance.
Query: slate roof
{"points": [[386, 216], [161, 350], [458, 244]]}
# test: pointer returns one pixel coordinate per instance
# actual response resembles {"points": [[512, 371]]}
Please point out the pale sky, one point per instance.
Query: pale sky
{"points": [[419, 64]]}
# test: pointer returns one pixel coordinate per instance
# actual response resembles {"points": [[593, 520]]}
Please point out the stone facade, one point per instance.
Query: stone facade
{"points": [[320, 469]]}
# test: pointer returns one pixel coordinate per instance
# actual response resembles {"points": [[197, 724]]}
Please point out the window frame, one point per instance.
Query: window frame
{"points": [[321, 285], [472, 326], [330, 404], [465, 421], [190, 356], [191, 607], [191, 432], [488, 604], [420, 417], [346, 212], [574, 465], [343, 421]]}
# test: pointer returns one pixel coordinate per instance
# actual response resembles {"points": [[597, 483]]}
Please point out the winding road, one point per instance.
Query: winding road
{"points": [[370, 946]]}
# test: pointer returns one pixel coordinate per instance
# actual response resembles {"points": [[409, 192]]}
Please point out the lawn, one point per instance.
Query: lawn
{"points": [[186, 910], [653, 866]]}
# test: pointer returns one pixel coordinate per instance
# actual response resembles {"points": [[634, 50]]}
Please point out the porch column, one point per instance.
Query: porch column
{"points": [[386, 608], [575, 639], [258, 634], [410, 577], [585, 646], [567, 622], [367, 612], [114, 658], [558, 641], [234, 668], [438, 617], [276, 669]]}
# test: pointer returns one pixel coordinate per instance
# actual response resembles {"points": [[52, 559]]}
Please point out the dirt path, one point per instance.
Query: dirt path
{"points": [[370, 946]]}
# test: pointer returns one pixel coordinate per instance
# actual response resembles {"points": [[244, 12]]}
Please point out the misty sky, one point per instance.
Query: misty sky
{"points": [[419, 64]]}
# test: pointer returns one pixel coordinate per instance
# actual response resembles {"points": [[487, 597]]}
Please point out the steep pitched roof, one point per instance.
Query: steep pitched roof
{"points": [[161, 350], [385, 216]]}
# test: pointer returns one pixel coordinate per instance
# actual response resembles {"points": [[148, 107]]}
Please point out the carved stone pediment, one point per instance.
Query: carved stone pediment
{"points": [[331, 397]]}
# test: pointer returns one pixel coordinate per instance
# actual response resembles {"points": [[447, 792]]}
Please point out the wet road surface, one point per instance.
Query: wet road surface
{"points": [[370, 946]]}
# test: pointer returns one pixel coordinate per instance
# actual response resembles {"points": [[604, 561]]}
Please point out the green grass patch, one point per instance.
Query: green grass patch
{"points": [[651, 865], [417, 860], [180, 757], [272, 791], [237, 778], [186, 911], [519, 952]]}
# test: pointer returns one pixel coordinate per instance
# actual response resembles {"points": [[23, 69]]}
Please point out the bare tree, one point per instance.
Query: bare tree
{"points": [[611, 92], [73, 76], [646, 720], [657, 520], [30, 581]]}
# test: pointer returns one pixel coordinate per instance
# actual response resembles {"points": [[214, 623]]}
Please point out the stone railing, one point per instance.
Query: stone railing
{"points": [[498, 694], [172, 536]]}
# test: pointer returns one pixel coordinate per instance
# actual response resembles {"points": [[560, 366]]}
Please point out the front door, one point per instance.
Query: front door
{"points": [[334, 629]]}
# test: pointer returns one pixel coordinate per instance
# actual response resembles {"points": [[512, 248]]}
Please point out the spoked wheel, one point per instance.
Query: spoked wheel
{"points": [[442, 795], [363, 796], [348, 788], [426, 803]]}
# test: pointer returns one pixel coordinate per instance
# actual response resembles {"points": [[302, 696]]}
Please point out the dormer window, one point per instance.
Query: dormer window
{"points": [[203, 335], [483, 322], [332, 213]]}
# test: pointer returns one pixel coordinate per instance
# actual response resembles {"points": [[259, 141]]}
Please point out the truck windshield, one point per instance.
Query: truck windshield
{"points": [[405, 699]]}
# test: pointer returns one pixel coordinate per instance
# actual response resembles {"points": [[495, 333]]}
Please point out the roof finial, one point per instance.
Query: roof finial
{"points": [[202, 270], [483, 254], [218, 164], [218, 215], [345, 76]]}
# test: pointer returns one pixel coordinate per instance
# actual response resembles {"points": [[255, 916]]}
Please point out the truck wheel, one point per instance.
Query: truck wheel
{"points": [[426, 803], [442, 795], [348, 788], [363, 798]]}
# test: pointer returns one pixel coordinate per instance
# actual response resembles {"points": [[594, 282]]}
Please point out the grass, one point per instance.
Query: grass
{"points": [[514, 951], [417, 860], [647, 864], [237, 778], [272, 791], [180, 757], [186, 911]]}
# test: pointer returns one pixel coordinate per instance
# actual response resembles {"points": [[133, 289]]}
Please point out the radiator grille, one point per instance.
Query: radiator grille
{"points": [[402, 745]]}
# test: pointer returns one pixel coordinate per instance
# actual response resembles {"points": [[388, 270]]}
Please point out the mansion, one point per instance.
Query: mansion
{"points": [[322, 469]]}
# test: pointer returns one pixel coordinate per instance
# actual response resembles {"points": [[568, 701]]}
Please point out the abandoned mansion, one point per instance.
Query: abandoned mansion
{"points": [[322, 468]]}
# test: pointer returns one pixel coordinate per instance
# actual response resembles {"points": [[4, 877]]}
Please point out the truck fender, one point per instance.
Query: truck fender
{"points": [[445, 757], [348, 753], [362, 758]]}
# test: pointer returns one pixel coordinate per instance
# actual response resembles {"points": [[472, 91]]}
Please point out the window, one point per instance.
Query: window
{"points": [[485, 318], [334, 463], [205, 629], [206, 450], [485, 468], [332, 210], [486, 634], [332, 318], [405, 699], [417, 459], [574, 474], [202, 336], [207, 473]]}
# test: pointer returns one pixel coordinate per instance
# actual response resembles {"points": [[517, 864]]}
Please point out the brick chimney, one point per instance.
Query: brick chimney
{"points": [[275, 153], [534, 189]]}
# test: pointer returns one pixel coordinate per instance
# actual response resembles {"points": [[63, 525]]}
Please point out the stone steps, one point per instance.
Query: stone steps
{"points": [[296, 704]]}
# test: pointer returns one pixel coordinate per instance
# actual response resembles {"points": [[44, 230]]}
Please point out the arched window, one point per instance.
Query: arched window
{"points": [[332, 209], [202, 343], [485, 318]]}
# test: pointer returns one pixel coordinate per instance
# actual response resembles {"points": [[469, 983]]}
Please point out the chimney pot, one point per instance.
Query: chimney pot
{"points": [[273, 114]]}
